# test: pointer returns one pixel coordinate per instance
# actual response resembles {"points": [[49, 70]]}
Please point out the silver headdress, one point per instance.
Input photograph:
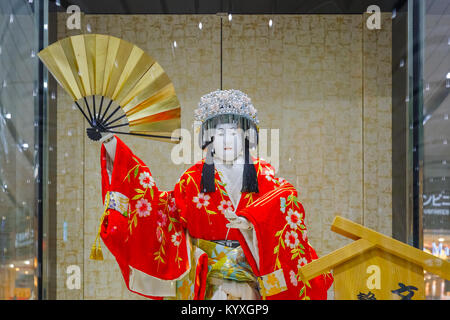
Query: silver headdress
{"points": [[227, 106], [220, 102]]}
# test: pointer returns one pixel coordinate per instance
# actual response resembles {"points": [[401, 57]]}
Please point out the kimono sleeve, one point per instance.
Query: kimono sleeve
{"points": [[141, 227], [179, 194], [282, 245]]}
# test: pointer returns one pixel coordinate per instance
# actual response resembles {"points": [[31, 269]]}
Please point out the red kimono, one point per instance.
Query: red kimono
{"points": [[149, 231]]}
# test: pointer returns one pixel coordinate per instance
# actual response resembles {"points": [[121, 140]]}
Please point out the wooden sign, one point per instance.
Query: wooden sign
{"points": [[375, 267]]}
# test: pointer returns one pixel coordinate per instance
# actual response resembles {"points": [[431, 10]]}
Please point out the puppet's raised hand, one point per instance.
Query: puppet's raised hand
{"points": [[110, 142]]}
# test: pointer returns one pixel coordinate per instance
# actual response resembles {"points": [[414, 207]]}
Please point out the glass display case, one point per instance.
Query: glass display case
{"points": [[352, 99]]}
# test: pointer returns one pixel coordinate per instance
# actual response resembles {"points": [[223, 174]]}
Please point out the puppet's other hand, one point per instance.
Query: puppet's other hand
{"points": [[230, 215], [239, 223]]}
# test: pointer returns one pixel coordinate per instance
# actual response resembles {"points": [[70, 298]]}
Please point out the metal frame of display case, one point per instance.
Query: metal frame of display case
{"points": [[41, 12], [416, 116]]}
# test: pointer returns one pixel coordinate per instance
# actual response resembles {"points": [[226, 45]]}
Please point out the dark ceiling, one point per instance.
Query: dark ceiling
{"points": [[230, 6]]}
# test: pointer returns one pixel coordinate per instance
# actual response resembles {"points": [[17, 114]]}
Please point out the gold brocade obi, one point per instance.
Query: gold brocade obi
{"points": [[225, 264]]}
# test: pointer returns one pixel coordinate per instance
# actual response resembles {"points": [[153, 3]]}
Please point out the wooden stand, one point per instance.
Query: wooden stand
{"points": [[375, 267]]}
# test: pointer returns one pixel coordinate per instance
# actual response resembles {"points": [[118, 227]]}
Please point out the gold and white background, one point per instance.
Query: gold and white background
{"points": [[323, 80]]}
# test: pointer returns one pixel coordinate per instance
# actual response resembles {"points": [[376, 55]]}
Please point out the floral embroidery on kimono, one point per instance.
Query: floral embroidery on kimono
{"points": [[162, 239]]}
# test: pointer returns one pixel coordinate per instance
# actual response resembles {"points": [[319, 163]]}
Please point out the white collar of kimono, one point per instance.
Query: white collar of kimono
{"points": [[231, 175]]}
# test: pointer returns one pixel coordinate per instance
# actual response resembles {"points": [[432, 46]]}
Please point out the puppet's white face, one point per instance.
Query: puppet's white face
{"points": [[228, 142]]}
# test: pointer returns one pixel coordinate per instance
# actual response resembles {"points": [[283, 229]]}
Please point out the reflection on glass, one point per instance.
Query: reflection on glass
{"points": [[18, 224], [436, 191]]}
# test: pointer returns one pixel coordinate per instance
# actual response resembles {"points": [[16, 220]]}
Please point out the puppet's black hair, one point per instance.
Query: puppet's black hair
{"points": [[249, 181]]}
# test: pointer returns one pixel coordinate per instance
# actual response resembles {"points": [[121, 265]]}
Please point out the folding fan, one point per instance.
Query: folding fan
{"points": [[121, 76]]}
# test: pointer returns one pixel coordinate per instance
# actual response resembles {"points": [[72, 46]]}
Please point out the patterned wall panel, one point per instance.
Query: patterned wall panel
{"points": [[305, 75], [378, 126], [70, 190], [193, 66]]}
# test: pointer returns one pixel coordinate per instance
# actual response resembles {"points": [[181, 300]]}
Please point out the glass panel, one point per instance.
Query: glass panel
{"points": [[436, 146], [19, 95], [342, 117], [324, 81]]}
